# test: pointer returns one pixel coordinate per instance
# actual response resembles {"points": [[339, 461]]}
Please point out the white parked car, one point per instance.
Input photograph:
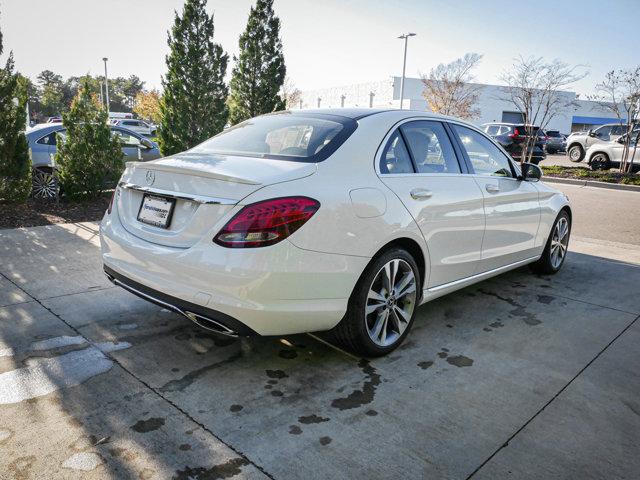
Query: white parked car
{"points": [[606, 155], [329, 219], [138, 126]]}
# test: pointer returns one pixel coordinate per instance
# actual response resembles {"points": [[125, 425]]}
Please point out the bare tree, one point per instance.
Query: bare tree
{"points": [[290, 94], [449, 88], [619, 93], [535, 88]]}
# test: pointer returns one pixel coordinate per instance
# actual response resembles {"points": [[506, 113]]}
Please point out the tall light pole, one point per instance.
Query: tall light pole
{"points": [[106, 83], [405, 37]]}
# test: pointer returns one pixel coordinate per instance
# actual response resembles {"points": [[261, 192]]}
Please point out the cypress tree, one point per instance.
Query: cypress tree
{"points": [[15, 164], [259, 72], [193, 106], [89, 157]]}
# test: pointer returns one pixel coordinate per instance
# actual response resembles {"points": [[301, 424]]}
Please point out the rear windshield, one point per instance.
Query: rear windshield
{"points": [[283, 136], [553, 134]]}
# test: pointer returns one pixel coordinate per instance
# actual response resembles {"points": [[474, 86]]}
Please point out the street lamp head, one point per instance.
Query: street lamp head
{"points": [[104, 59], [407, 35]]}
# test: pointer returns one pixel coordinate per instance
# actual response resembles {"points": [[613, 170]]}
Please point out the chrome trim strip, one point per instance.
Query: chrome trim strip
{"points": [[194, 317], [202, 199], [479, 276]]}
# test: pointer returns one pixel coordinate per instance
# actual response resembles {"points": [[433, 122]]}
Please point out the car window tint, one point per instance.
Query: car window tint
{"points": [[126, 138], [485, 156], [48, 139], [619, 130], [430, 147], [395, 157], [493, 129], [603, 132]]}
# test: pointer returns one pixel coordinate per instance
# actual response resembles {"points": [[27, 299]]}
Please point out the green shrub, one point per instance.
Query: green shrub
{"points": [[88, 157], [15, 164]]}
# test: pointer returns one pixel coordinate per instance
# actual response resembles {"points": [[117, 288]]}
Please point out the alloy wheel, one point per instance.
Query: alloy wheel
{"points": [[574, 154], [559, 242], [44, 184], [390, 302]]}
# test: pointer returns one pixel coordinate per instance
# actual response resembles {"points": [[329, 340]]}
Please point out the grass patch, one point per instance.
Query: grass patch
{"points": [[582, 173]]}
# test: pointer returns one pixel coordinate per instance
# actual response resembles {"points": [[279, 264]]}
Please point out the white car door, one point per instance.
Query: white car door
{"points": [[617, 149], [511, 206], [420, 165]]}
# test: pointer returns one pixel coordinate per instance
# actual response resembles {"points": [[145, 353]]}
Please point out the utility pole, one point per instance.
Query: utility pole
{"points": [[405, 37], [106, 83]]}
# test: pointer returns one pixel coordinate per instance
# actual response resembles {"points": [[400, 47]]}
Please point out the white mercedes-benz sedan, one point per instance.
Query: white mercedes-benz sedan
{"points": [[342, 220]]}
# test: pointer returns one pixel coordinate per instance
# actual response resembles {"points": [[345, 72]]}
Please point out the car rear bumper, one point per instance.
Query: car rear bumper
{"points": [[274, 290]]}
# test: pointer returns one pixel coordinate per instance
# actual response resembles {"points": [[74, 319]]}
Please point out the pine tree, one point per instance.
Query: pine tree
{"points": [[193, 105], [89, 157], [260, 70], [15, 164]]}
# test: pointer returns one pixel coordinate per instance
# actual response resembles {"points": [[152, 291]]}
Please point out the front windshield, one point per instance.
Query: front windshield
{"points": [[297, 137]]}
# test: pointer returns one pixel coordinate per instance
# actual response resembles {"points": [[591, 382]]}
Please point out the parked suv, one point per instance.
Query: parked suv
{"points": [[511, 136], [579, 142], [556, 142], [606, 155]]}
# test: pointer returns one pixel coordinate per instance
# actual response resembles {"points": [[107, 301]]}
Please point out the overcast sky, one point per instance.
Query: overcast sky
{"points": [[330, 42]]}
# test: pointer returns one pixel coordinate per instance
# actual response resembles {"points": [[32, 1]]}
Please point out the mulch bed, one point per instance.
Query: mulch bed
{"points": [[34, 212]]}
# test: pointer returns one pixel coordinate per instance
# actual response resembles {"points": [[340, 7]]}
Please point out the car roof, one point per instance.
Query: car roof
{"points": [[358, 113]]}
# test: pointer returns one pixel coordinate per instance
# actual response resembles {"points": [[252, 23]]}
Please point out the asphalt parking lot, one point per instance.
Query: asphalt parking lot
{"points": [[517, 377]]}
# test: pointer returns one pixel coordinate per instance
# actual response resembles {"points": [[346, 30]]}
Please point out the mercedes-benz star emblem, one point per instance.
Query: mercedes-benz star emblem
{"points": [[151, 177]]}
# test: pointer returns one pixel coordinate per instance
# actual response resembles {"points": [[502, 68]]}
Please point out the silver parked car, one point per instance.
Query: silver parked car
{"points": [[605, 155], [556, 142], [579, 142], [42, 144]]}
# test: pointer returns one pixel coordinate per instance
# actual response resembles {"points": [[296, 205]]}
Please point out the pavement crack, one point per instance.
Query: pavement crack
{"points": [[551, 400], [157, 392]]}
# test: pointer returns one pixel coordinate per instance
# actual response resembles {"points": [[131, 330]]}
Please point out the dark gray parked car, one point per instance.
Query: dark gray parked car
{"points": [[42, 143]]}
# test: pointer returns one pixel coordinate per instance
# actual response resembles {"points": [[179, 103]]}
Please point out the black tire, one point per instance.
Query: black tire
{"points": [[546, 265], [551, 151], [600, 161], [352, 332], [575, 153]]}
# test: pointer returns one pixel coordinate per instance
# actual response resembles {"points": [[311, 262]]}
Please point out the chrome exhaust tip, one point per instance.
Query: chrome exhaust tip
{"points": [[209, 324]]}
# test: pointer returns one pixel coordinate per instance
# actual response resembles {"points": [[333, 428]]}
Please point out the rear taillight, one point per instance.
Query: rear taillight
{"points": [[111, 201], [515, 133], [265, 223]]}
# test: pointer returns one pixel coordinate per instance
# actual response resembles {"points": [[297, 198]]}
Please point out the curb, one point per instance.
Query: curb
{"points": [[591, 183]]}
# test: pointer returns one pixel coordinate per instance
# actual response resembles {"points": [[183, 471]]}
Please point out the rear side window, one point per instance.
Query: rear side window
{"points": [[492, 129], [553, 134], [486, 158], [395, 157], [283, 136], [48, 139], [430, 147], [619, 130]]}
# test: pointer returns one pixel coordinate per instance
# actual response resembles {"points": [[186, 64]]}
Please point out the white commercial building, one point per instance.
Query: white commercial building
{"points": [[581, 115]]}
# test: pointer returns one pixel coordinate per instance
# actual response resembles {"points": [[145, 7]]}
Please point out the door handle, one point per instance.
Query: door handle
{"points": [[420, 194], [492, 188]]}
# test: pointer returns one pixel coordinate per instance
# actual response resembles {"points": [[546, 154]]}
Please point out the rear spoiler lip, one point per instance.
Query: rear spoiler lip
{"points": [[190, 171]]}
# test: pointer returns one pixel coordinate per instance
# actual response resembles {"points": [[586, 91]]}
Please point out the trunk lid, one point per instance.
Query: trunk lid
{"points": [[205, 188]]}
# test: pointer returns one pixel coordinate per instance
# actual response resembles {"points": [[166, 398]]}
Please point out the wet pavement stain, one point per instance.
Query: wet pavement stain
{"points": [[184, 447], [272, 382], [180, 384], [288, 354], [235, 408], [309, 419], [371, 413], [358, 398], [460, 361], [279, 374], [149, 425], [295, 430], [224, 470], [545, 299], [487, 329], [277, 393], [425, 365], [443, 354], [519, 310], [496, 324], [325, 440]]}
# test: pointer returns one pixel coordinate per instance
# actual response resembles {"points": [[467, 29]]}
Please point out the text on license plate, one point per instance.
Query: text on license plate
{"points": [[156, 210]]}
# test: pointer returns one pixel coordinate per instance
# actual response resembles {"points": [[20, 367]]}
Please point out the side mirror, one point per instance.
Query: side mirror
{"points": [[621, 139], [531, 172], [591, 133], [146, 143]]}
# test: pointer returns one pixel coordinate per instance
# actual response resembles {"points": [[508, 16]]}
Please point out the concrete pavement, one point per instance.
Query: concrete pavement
{"points": [[520, 376]]}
